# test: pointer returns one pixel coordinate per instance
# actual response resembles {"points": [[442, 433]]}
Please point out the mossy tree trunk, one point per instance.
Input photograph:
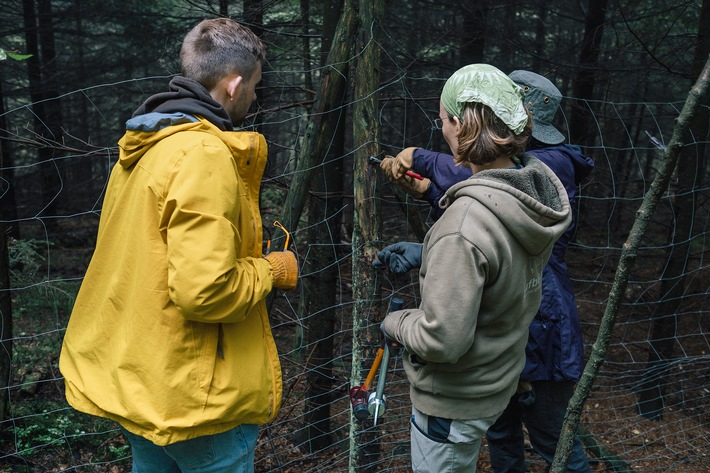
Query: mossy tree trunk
{"points": [[366, 221]]}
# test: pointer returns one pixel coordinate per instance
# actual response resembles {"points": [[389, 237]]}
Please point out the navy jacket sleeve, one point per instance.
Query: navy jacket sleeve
{"points": [[443, 173]]}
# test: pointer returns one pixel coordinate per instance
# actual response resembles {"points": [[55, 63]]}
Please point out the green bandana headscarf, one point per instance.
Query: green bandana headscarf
{"points": [[486, 84]]}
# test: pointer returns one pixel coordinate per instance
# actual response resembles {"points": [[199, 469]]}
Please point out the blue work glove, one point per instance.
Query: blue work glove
{"points": [[400, 257]]}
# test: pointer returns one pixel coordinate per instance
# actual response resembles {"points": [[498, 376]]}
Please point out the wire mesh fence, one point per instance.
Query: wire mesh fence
{"points": [[657, 355], [658, 359]]}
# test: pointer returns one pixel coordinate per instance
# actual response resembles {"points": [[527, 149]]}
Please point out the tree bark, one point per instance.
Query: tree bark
{"points": [[8, 212], [414, 217], [473, 34], [80, 170], [254, 16], [328, 99], [586, 72], [307, 62], [39, 35], [367, 219], [681, 136], [8, 203], [6, 335], [254, 19]]}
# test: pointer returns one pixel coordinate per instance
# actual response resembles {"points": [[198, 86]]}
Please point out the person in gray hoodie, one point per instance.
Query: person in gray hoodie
{"points": [[481, 272]]}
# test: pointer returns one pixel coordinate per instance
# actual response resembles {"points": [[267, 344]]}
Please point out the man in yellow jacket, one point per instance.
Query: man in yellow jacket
{"points": [[169, 335]]}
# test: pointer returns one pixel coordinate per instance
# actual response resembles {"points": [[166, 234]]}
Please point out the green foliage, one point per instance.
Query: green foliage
{"points": [[41, 424], [42, 420], [12, 55], [272, 199], [25, 260], [34, 430], [40, 310], [32, 292]]}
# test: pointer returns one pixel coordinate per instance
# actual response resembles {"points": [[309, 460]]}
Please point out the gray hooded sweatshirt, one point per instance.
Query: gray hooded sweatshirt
{"points": [[480, 286]]}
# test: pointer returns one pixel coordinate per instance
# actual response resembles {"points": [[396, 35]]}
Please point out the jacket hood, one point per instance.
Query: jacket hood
{"points": [[190, 97], [186, 106], [530, 202], [143, 131]]}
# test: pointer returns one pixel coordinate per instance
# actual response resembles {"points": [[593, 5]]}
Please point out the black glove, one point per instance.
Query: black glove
{"points": [[400, 257]]}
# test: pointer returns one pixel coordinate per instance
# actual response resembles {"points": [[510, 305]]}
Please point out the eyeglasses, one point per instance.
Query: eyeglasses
{"points": [[437, 124]]}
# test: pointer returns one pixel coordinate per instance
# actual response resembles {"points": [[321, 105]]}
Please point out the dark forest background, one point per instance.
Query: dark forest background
{"points": [[93, 63], [625, 69]]}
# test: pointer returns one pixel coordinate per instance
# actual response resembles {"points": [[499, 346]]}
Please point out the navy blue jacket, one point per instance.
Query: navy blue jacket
{"points": [[555, 349]]}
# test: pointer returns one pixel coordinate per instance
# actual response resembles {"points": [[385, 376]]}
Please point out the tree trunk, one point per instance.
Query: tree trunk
{"points": [[254, 17], [80, 176], [586, 72], [473, 34], [320, 286], [8, 212], [307, 62], [681, 136], [366, 220], [663, 332], [540, 29], [8, 203], [5, 315], [414, 217], [315, 142], [42, 72]]}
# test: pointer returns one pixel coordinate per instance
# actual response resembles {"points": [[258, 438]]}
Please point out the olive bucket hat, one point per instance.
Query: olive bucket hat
{"points": [[542, 99]]}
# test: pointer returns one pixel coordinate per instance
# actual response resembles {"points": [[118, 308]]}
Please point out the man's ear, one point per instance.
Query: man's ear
{"points": [[233, 85]]}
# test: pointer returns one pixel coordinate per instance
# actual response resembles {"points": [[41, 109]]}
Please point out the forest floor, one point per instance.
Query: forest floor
{"points": [[617, 437], [676, 443]]}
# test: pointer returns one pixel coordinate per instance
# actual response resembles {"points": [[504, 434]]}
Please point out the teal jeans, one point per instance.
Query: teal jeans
{"points": [[228, 452]]}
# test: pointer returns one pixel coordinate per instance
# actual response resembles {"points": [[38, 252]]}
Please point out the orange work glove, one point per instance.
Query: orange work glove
{"points": [[402, 163], [395, 169], [284, 269], [413, 186]]}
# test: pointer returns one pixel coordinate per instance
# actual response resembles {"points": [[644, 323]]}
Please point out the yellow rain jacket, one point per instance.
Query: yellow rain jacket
{"points": [[169, 335]]}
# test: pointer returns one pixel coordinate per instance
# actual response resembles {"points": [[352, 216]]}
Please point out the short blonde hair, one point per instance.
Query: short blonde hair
{"points": [[218, 47], [484, 137]]}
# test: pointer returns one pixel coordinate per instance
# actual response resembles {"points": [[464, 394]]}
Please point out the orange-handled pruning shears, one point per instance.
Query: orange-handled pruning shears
{"points": [[373, 370]]}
